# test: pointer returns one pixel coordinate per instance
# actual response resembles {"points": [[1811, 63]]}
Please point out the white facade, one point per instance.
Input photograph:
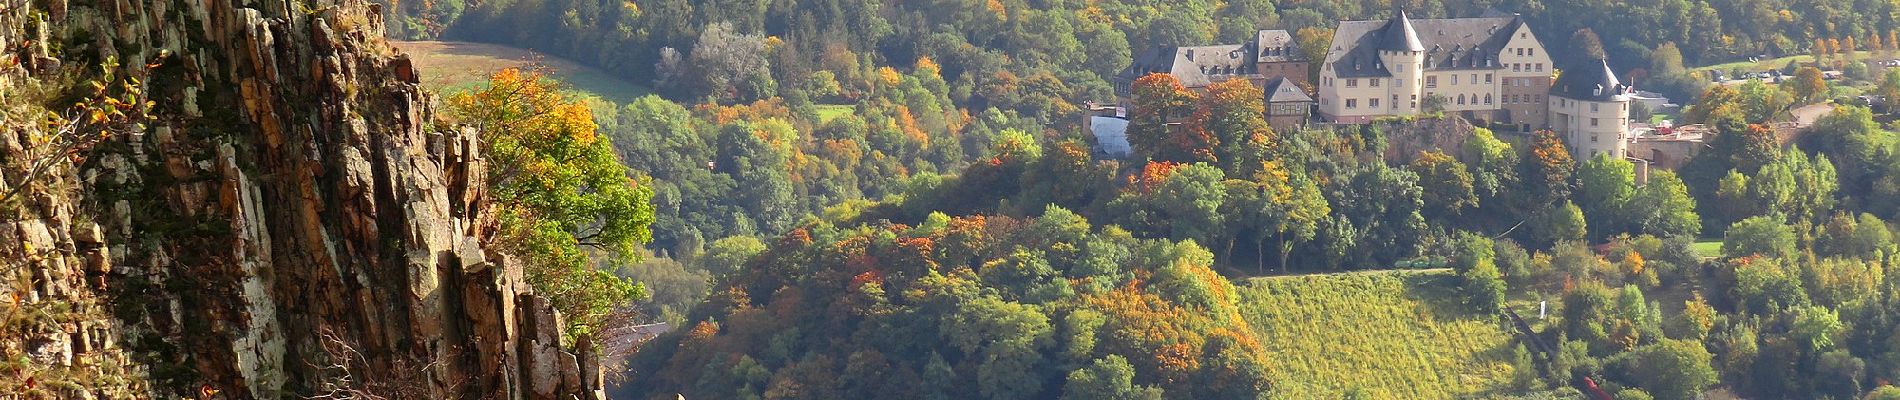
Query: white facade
{"points": [[1506, 83], [1593, 127]]}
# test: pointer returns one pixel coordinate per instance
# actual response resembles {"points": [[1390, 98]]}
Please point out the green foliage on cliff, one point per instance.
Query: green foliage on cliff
{"points": [[558, 189]]}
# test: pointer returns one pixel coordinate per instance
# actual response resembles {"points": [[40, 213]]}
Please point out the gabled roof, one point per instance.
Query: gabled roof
{"points": [[1590, 81], [1195, 66], [1277, 46], [1452, 43], [1192, 65], [1283, 90]]}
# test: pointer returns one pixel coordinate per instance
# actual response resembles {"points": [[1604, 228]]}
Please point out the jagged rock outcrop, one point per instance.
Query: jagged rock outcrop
{"points": [[292, 222], [1406, 138]]}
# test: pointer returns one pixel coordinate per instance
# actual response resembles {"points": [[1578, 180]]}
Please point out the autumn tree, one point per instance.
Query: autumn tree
{"points": [[1549, 169], [1157, 122], [558, 189], [1233, 112], [1807, 85], [1313, 41], [1274, 205]]}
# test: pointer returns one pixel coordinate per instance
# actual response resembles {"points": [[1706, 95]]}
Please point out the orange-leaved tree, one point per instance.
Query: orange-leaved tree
{"points": [[1235, 113], [1160, 126], [557, 188]]}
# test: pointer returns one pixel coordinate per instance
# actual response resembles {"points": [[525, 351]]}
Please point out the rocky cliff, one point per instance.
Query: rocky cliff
{"points": [[290, 222]]}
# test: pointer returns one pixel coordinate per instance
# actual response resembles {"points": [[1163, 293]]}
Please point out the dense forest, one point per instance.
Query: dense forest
{"points": [[878, 199], [998, 43]]}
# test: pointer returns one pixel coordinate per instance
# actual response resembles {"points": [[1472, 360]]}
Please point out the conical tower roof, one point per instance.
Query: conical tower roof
{"points": [[1592, 81], [1399, 35]]}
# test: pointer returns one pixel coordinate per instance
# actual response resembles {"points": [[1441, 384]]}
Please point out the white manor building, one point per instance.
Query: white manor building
{"points": [[1489, 69]]}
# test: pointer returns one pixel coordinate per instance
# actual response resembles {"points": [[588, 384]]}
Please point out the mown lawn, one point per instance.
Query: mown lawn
{"points": [[1708, 247], [1777, 63], [449, 67], [826, 112], [1375, 335]]}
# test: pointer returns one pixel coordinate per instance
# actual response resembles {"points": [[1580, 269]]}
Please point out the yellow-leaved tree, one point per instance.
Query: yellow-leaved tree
{"points": [[558, 191]]}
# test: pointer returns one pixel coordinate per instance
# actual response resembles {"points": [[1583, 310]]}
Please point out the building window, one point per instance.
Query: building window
{"points": [[1375, 82], [1540, 67], [1454, 79], [1593, 138], [1520, 52], [1395, 101], [1474, 79], [1352, 103], [1487, 78], [1398, 82], [1487, 99], [1593, 108], [1531, 51], [1352, 83], [1431, 81], [1593, 123], [1401, 68], [1461, 99], [1515, 67], [1372, 103]]}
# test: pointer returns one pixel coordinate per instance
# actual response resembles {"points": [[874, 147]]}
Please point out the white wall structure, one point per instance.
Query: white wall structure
{"points": [[1490, 69], [1590, 108]]}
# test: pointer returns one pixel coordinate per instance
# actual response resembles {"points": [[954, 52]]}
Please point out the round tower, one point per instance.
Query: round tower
{"points": [[1590, 107], [1404, 58]]}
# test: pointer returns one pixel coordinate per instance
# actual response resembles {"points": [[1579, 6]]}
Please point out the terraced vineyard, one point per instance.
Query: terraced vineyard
{"points": [[1372, 335]]}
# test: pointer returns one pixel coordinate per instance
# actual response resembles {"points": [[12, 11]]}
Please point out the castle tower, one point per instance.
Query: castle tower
{"points": [[1590, 108], [1404, 58]]}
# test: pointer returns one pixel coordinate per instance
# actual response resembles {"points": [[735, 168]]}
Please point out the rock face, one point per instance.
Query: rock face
{"points": [[291, 223]]}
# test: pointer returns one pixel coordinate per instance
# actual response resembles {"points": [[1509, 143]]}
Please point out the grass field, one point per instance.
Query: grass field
{"points": [[1774, 63], [1708, 247], [1373, 335], [828, 111], [454, 66]]}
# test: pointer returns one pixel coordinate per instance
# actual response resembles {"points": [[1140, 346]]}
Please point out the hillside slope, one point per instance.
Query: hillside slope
{"points": [[1374, 335], [454, 66]]}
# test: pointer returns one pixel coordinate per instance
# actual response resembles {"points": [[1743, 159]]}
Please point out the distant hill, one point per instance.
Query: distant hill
{"points": [[1387, 334], [453, 66]]}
